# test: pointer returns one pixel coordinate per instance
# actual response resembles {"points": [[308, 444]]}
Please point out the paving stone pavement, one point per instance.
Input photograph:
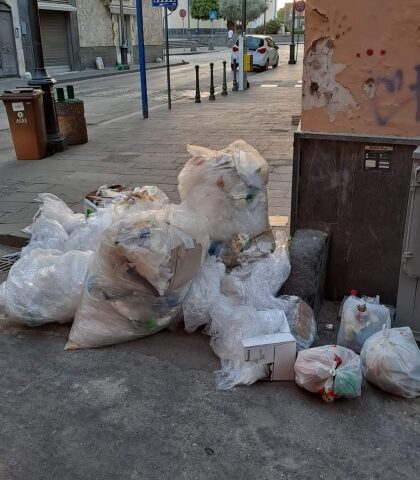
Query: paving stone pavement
{"points": [[133, 151]]}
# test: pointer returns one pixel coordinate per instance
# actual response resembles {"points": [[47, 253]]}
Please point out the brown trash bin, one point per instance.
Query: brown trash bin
{"points": [[25, 111]]}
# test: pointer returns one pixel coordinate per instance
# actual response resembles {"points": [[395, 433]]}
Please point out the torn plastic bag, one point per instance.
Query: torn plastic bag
{"points": [[139, 276], [46, 234], [301, 320], [228, 187], [204, 292], [361, 318], [45, 286], [53, 208], [330, 370], [258, 281], [391, 360], [231, 323]]}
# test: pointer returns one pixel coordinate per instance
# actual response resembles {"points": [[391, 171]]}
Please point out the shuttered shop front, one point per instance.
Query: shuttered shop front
{"points": [[55, 40]]}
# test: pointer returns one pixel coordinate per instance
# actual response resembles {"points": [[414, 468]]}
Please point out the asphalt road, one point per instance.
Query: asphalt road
{"points": [[111, 98]]}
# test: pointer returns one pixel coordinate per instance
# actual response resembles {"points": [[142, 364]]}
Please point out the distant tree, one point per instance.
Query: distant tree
{"points": [[200, 8], [280, 14], [231, 10]]}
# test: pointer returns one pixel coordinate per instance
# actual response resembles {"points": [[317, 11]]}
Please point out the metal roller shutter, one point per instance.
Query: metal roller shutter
{"points": [[55, 41]]}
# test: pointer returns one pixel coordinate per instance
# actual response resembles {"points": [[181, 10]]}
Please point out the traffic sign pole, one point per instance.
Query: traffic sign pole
{"points": [[142, 59], [168, 71]]}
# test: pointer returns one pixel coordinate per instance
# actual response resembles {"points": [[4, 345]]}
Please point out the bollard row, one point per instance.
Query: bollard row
{"points": [[212, 97]]}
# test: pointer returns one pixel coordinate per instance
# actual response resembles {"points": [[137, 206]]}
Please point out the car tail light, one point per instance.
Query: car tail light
{"points": [[235, 49], [261, 50]]}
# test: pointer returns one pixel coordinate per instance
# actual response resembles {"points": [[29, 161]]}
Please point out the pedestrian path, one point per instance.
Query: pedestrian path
{"points": [[132, 151]]}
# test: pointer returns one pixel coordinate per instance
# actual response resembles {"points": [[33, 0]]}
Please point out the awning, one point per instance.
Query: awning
{"points": [[127, 10], [63, 7]]}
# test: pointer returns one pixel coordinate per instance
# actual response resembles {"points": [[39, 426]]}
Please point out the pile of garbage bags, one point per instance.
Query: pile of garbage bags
{"points": [[135, 264]]}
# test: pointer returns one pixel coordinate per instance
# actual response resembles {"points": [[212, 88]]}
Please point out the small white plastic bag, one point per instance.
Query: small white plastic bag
{"points": [[391, 360]]}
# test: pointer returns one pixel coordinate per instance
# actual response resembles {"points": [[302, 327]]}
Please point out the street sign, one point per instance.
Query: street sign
{"points": [[182, 13], [213, 15], [165, 3], [300, 6]]}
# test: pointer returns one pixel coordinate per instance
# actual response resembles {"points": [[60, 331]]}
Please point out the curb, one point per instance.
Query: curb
{"points": [[115, 73]]}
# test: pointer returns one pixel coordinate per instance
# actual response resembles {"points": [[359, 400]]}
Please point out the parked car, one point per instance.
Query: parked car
{"points": [[263, 49]]}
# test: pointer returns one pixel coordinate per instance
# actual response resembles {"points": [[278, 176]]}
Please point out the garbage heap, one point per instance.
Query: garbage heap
{"points": [[134, 264]]}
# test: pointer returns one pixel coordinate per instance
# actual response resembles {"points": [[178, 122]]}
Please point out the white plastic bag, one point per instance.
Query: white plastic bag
{"points": [[53, 208], [139, 276], [391, 360], [46, 234], [361, 318], [228, 187], [204, 292], [231, 323], [330, 370], [45, 286]]}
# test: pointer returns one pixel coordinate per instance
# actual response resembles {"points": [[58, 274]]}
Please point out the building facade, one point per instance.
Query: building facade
{"points": [[74, 33]]}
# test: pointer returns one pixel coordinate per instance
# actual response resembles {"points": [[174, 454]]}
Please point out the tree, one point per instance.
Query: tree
{"points": [[280, 14], [231, 10], [200, 8]]}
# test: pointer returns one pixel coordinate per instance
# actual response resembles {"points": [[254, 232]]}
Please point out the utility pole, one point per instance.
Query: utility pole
{"points": [[40, 78], [265, 18], [123, 45], [292, 57]]}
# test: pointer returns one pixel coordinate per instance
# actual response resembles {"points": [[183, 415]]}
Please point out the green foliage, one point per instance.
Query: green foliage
{"points": [[280, 14], [259, 30], [200, 8], [232, 9], [273, 26]]}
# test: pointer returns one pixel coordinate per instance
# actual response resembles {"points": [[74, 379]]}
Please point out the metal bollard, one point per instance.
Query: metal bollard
{"points": [[60, 94], [197, 85], [211, 97], [70, 92], [224, 87], [235, 87]]}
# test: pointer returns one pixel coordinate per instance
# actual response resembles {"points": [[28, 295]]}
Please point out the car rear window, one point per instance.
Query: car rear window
{"points": [[253, 43]]}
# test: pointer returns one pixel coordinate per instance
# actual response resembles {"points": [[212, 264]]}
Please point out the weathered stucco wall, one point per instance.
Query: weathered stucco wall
{"points": [[362, 67], [95, 26]]}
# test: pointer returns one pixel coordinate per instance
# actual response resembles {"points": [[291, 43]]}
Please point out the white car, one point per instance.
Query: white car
{"points": [[263, 50]]}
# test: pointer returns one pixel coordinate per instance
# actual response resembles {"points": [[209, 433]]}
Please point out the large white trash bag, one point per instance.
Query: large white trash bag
{"points": [[139, 276], [204, 292], [232, 323], [361, 318], [330, 370], [391, 360], [45, 286], [228, 187], [46, 234]]}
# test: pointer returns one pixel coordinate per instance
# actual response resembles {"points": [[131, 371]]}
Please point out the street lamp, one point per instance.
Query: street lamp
{"points": [[40, 78], [123, 46], [292, 56]]}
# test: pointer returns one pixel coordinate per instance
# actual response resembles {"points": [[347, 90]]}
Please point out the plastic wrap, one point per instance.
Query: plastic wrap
{"points": [[45, 286], [46, 234], [228, 187], [391, 360], [231, 323], [204, 292], [139, 277], [301, 320], [361, 318], [330, 370]]}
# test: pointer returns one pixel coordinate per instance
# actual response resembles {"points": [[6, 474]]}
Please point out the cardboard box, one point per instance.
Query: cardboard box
{"points": [[277, 349]]}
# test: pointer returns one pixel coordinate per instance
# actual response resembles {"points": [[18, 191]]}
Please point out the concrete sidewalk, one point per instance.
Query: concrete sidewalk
{"points": [[133, 151]]}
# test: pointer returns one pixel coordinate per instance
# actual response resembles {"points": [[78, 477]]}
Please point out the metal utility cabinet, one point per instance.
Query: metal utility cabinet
{"points": [[408, 302]]}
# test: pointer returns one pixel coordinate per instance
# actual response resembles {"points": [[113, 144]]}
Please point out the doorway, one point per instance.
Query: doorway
{"points": [[8, 57]]}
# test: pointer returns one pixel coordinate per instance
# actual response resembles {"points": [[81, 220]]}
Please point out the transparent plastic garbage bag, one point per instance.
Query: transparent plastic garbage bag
{"points": [[45, 286], [330, 370], [391, 360], [139, 276], [361, 318], [228, 187], [231, 323]]}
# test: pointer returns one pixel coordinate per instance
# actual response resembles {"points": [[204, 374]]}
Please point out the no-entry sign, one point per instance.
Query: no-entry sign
{"points": [[182, 13], [300, 6]]}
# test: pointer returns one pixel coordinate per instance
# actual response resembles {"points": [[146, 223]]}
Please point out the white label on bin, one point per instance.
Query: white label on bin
{"points": [[18, 107]]}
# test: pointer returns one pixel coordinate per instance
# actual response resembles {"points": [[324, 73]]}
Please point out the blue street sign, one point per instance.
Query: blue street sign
{"points": [[165, 3], [213, 15]]}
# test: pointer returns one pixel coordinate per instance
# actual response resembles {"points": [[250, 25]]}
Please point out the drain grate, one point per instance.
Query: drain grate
{"points": [[7, 261]]}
